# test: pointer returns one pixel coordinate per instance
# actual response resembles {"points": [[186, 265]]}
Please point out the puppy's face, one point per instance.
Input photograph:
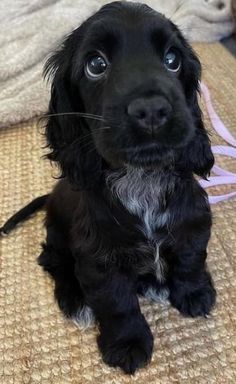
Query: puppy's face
{"points": [[131, 66], [134, 72]]}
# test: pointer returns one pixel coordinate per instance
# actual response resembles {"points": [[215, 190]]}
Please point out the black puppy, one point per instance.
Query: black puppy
{"points": [[128, 216]]}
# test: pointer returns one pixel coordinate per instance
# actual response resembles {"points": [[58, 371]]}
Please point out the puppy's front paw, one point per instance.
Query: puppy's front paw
{"points": [[193, 302], [127, 352]]}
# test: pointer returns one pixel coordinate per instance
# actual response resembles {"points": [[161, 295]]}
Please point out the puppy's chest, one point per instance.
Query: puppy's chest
{"points": [[143, 194]]}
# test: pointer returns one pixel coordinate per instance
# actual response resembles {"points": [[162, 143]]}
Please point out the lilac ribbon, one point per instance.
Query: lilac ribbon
{"points": [[223, 176]]}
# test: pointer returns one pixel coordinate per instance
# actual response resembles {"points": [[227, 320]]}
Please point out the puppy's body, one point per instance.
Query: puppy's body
{"points": [[128, 216], [141, 215]]}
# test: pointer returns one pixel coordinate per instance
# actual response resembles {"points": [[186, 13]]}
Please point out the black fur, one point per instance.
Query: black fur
{"points": [[96, 249], [23, 214]]}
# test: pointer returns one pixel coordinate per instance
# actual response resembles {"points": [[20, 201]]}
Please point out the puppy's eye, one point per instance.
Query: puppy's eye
{"points": [[172, 60], [95, 67]]}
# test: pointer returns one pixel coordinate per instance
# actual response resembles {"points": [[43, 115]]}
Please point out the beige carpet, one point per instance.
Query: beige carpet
{"points": [[38, 346]]}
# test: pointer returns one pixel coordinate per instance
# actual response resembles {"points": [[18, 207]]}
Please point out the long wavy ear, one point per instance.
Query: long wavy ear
{"points": [[197, 156], [68, 136]]}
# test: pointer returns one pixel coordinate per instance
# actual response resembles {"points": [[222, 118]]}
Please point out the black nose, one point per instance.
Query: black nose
{"points": [[150, 113]]}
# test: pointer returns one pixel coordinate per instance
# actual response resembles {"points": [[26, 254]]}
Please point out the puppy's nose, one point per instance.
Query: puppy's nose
{"points": [[150, 113]]}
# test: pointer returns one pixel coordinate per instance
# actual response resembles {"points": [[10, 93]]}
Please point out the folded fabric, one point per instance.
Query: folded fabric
{"points": [[31, 30], [223, 176]]}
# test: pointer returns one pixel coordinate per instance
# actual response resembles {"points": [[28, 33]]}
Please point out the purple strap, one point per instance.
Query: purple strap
{"points": [[223, 177]]}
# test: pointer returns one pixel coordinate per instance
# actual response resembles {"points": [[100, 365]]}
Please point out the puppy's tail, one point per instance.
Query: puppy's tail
{"points": [[23, 214]]}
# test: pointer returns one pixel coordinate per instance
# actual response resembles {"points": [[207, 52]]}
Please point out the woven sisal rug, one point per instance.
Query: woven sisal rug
{"points": [[37, 345]]}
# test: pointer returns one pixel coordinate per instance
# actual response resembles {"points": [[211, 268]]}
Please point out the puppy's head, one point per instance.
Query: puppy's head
{"points": [[135, 78]]}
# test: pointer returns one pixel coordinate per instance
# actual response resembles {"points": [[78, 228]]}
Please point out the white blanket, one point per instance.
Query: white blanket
{"points": [[30, 30]]}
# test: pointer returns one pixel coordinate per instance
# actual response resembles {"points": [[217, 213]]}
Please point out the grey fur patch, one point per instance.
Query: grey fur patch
{"points": [[143, 194], [157, 296], [84, 317], [159, 266]]}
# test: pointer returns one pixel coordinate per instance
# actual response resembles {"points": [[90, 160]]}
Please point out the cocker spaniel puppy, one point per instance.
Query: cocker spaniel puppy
{"points": [[128, 216]]}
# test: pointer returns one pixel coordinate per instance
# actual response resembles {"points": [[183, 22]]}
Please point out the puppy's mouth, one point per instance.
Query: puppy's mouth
{"points": [[146, 156], [152, 155], [124, 146]]}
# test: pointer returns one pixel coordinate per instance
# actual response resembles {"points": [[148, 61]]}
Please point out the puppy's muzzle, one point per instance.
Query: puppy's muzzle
{"points": [[150, 114]]}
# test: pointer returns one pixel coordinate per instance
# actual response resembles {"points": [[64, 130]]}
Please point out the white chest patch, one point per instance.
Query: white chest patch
{"points": [[143, 194]]}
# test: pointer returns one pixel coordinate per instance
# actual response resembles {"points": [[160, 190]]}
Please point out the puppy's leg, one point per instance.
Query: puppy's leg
{"points": [[57, 259], [191, 288], [125, 338]]}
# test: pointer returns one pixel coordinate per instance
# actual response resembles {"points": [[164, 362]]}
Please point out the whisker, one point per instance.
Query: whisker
{"points": [[84, 137], [86, 140], [81, 114], [97, 129]]}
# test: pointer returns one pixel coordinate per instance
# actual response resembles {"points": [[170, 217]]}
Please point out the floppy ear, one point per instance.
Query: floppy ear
{"points": [[68, 136], [197, 156], [198, 152]]}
